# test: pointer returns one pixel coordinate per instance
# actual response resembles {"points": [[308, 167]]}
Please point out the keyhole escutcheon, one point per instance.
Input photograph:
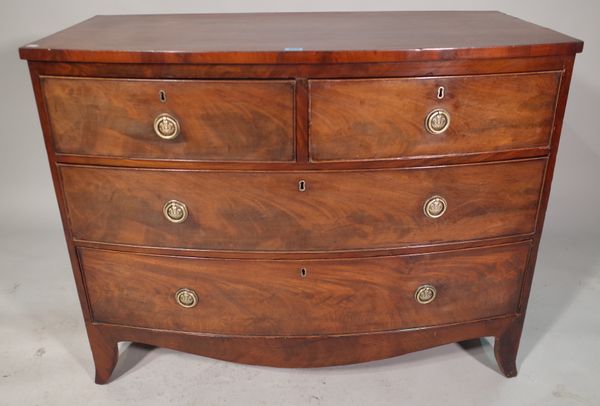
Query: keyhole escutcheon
{"points": [[302, 185], [441, 92]]}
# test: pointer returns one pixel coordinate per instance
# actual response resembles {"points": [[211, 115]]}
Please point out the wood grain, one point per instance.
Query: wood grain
{"points": [[272, 298], [492, 200], [58, 191], [300, 38], [507, 343], [220, 120], [286, 71], [295, 352], [306, 164], [259, 211], [295, 255], [384, 118]]}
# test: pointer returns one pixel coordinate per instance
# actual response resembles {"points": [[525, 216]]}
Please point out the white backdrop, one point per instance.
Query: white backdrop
{"points": [[43, 349]]}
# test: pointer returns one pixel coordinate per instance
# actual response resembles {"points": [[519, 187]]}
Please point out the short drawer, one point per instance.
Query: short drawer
{"points": [[172, 119], [374, 119], [261, 297], [302, 211]]}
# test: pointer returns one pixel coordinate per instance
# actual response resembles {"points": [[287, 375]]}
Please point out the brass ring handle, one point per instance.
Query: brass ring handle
{"points": [[186, 298], [166, 126], [425, 294], [435, 207], [175, 211], [437, 121]]}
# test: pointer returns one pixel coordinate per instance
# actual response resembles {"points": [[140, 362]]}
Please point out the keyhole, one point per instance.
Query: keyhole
{"points": [[163, 96], [302, 185], [303, 272], [441, 92]]}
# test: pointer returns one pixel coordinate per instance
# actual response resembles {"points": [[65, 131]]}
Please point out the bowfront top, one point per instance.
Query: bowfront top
{"points": [[300, 38]]}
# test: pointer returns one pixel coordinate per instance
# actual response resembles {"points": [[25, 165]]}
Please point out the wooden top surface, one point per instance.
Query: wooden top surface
{"points": [[300, 38]]}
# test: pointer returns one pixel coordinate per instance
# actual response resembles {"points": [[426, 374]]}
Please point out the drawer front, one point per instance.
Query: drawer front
{"points": [[266, 211], [386, 118], [218, 120], [273, 298]]}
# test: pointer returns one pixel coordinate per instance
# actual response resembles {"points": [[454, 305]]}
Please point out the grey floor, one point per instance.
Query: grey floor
{"points": [[45, 359]]}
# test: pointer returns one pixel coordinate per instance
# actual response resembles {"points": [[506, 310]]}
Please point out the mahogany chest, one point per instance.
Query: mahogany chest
{"points": [[302, 190]]}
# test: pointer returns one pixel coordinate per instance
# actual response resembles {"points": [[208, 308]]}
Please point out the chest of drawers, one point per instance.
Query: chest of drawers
{"points": [[302, 190]]}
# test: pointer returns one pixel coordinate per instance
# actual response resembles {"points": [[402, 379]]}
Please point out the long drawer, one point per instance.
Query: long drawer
{"points": [[367, 119], [302, 211], [235, 120], [308, 297]]}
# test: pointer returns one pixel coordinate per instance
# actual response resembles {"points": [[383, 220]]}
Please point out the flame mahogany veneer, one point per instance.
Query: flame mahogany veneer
{"points": [[342, 187]]}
